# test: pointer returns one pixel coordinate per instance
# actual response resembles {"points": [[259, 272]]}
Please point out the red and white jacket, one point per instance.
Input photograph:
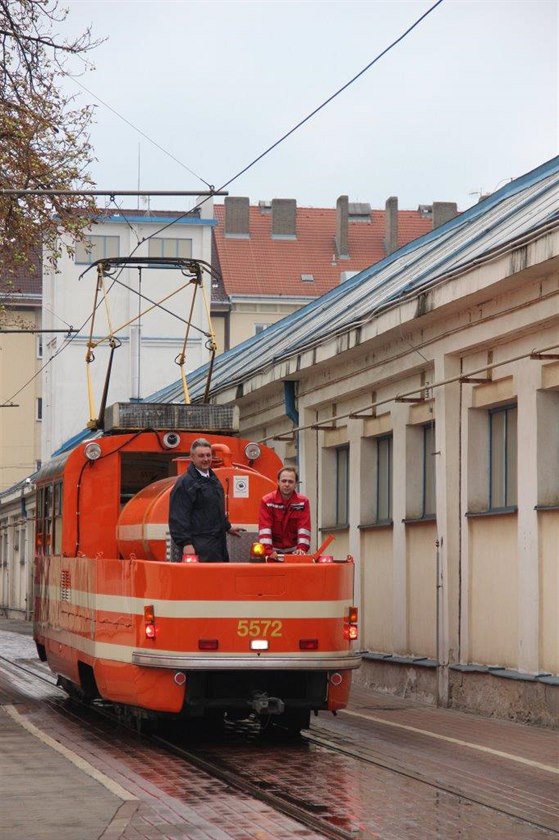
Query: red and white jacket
{"points": [[284, 524]]}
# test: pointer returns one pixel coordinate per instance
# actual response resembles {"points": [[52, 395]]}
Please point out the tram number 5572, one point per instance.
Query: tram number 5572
{"points": [[259, 627]]}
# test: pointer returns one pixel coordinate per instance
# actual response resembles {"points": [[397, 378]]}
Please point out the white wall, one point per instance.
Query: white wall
{"points": [[69, 300]]}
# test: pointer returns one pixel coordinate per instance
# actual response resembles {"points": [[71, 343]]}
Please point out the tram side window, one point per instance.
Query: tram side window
{"points": [[44, 520], [57, 517], [49, 519]]}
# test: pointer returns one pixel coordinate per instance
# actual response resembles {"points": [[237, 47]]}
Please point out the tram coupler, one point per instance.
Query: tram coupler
{"points": [[262, 703]]}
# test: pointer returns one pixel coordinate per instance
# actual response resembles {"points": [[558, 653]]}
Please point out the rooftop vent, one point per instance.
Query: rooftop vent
{"points": [[265, 207], [359, 211], [425, 210], [307, 278], [131, 417]]}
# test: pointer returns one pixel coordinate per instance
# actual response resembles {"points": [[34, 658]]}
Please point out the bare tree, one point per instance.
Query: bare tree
{"points": [[44, 139]]}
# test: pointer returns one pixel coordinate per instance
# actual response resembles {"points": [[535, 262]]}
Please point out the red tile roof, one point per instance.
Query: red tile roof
{"points": [[260, 265], [22, 281]]}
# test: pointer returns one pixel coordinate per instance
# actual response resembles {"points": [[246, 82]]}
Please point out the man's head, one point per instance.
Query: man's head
{"points": [[201, 454], [287, 481]]}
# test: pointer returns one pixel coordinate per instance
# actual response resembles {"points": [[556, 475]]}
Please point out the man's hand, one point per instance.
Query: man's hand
{"points": [[236, 532], [298, 551], [188, 549]]}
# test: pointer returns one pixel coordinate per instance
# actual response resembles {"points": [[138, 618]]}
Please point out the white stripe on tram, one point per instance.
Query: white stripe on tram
{"points": [[165, 608]]}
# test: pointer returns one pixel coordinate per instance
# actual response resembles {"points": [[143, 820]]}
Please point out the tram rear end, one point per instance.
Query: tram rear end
{"points": [[116, 619]]}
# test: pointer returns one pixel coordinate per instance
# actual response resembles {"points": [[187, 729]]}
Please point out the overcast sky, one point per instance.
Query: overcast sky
{"points": [[466, 102]]}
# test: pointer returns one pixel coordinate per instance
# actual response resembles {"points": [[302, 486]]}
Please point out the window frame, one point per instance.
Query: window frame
{"points": [[341, 504], [165, 241], [96, 240], [508, 466], [429, 473], [389, 480]]}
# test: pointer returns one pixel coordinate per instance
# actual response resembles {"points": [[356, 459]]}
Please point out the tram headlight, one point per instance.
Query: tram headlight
{"points": [[252, 451], [92, 451]]}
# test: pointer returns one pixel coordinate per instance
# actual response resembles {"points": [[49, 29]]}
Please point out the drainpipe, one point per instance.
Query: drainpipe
{"points": [[290, 405], [290, 401], [441, 654]]}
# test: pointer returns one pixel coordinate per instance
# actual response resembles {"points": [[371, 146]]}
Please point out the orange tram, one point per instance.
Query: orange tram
{"points": [[118, 617]]}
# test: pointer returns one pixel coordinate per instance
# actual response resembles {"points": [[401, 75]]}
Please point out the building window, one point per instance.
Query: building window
{"points": [[39, 346], [162, 247], [39, 409], [383, 512], [258, 328], [342, 486], [502, 457], [96, 248], [429, 503]]}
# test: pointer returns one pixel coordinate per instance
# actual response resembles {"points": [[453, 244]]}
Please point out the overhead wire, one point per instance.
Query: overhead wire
{"points": [[242, 171], [139, 130], [309, 116]]}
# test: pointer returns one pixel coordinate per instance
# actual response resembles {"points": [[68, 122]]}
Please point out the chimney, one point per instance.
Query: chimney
{"points": [[284, 218], [236, 217], [391, 225], [342, 216], [443, 211]]}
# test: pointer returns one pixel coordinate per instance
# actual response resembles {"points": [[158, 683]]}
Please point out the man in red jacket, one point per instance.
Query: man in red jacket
{"points": [[284, 521]]}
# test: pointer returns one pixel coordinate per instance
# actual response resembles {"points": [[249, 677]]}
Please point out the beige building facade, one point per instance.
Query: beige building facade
{"points": [[21, 359], [427, 437]]}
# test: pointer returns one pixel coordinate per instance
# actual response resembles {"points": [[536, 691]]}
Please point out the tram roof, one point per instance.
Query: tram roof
{"points": [[522, 206]]}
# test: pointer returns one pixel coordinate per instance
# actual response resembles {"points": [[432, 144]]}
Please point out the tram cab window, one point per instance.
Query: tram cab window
{"points": [[138, 469]]}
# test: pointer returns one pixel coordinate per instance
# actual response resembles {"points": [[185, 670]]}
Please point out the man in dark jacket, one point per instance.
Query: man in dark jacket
{"points": [[197, 520]]}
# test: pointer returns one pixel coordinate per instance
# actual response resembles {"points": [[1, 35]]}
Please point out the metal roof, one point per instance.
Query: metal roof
{"points": [[517, 209]]}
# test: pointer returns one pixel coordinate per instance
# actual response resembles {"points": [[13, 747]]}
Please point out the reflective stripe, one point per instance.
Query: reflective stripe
{"points": [[304, 531], [265, 530], [164, 608]]}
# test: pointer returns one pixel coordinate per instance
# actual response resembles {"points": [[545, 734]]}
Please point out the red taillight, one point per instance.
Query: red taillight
{"points": [[190, 558], [149, 618], [208, 644], [326, 558], [351, 631], [308, 644]]}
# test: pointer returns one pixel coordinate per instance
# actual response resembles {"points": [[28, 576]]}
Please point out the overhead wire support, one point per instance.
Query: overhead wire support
{"points": [[35, 332], [112, 193]]}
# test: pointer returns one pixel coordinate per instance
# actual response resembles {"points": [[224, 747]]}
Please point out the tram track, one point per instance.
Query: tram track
{"points": [[353, 751], [282, 801], [242, 768]]}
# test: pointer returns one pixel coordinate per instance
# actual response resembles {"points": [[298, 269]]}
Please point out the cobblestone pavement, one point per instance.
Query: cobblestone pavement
{"points": [[127, 788]]}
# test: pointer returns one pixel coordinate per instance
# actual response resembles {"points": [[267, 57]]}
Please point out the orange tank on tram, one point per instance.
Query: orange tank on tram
{"points": [[119, 617]]}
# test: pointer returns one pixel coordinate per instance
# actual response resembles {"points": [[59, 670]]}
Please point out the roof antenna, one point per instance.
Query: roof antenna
{"points": [[139, 169]]}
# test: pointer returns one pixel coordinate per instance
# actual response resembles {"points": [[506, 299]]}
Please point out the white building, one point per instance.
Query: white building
{"points": [[150, 341]]}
